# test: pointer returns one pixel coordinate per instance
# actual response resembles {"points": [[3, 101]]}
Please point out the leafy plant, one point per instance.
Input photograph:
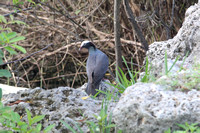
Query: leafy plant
{"points": [[1, 94], [104, 122], [147, 71], [181, 68], [193, 128], [187, 128], [166, 64], [8, 42], [12, 120], [121, 78], [123, 82], [17, 2]]}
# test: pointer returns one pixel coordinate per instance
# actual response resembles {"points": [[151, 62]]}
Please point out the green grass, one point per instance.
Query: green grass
{"points": [[185, 80], [124, 80], [186, 128]]}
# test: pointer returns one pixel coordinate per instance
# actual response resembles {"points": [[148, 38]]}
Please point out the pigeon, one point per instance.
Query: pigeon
{"points": [[96, 67]]}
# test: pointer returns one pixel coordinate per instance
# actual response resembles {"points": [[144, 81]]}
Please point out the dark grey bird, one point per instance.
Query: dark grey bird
{"points": [[96, 67]]}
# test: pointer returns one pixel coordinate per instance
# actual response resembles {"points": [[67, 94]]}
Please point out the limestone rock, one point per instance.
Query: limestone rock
{"points": [[6, 89], [150, 108], [63, 103], [186, 40]]}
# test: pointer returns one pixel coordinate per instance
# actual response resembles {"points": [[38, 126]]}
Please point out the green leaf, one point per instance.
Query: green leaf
{"points": [[29, 117], [168, 131], [177, 58], [3, 19], [1, 54], [7, 116], [31, 1], [1, 61], [5, 131], [119, 131], [166, 65], [20, 123], [68, 126], [19, 38], [77, 12], [37, 118], [38, 127], [11, 17], [4, 37], [10, 50], [79, 128], [24, 127], [109, 123], [4, 73], [15, 116], [19, 22], [16, 129], [182, 126], [4, 109], [92, 126], [11, 35], [20, 48], [110, 126], [12, 124], [47, 129], [1, 94], [146, 76]]}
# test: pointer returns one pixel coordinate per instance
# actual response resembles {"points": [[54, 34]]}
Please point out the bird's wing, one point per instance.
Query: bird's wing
{"points": [[101, 66], [90, 66], [97, 65]]}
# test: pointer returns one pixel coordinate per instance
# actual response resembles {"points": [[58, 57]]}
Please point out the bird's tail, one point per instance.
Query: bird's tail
{"points": [[91, 88]]}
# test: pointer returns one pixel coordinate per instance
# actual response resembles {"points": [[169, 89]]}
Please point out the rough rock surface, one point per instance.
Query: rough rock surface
{"points": [[186, 40], [57, 104], [150, 108]]}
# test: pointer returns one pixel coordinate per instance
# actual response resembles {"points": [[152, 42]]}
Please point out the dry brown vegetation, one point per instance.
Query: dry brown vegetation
{"points": [[67, 23]]}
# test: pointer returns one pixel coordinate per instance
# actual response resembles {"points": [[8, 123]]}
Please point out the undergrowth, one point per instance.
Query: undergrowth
{"points": [[186, 128], [12, 121]]}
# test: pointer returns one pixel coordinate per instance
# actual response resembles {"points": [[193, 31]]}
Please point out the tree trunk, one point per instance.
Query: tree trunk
{"points": [[118, 53]]}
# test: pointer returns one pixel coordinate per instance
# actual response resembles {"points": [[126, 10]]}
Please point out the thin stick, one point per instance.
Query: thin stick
{"points": [[18, 11], [26, 56]]}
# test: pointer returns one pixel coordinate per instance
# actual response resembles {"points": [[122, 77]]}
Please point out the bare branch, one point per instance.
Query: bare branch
{"points": [[64, 15], [26, 56], [18, 11], [134, 24]]}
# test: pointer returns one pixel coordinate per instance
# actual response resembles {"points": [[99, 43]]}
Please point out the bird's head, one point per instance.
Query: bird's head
{"points": [[87, 45]]}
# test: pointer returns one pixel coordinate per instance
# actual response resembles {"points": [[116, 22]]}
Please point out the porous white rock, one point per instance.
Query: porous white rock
{"points": [[6, 89], [186, 40], [63, 103], [150, 108]]}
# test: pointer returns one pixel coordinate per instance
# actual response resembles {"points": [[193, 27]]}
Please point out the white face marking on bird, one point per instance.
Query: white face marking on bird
{"points": [[84, 42]]}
